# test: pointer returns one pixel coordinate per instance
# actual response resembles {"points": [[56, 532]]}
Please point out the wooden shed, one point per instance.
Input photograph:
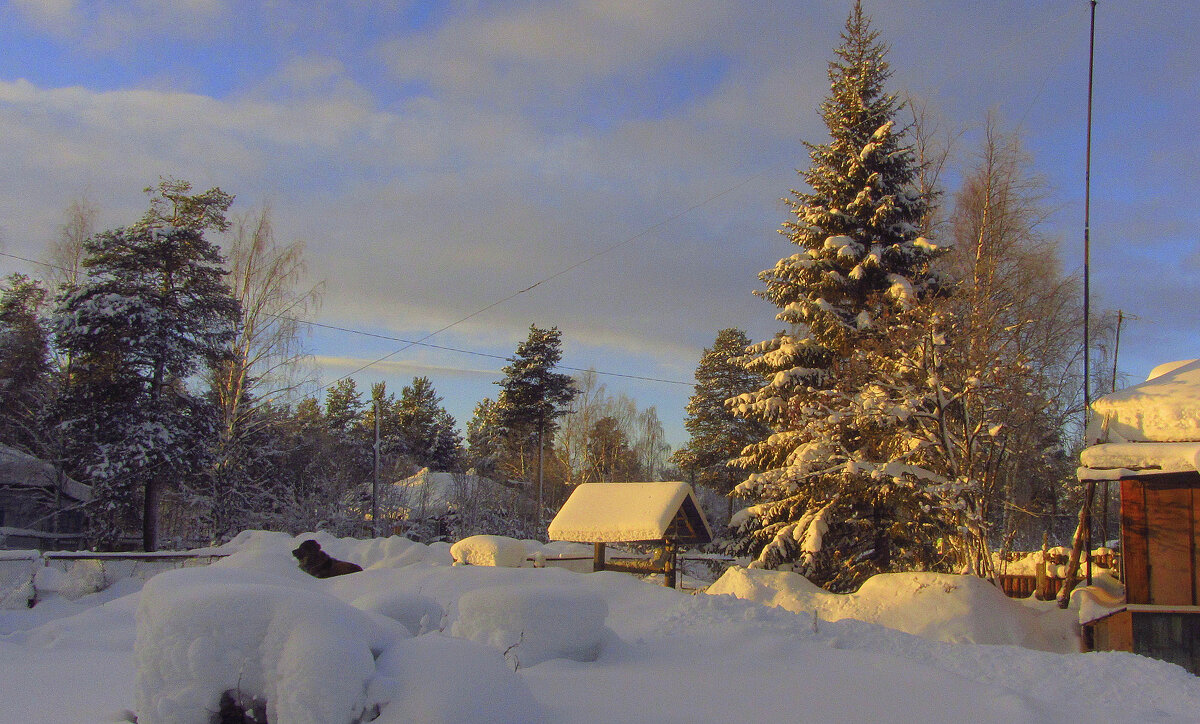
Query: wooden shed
{"points": [[1149, 441], [665, 514], [40, 507]]}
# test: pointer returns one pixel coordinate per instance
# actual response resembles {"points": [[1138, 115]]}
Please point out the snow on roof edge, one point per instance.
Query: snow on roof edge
{"points": [[622, 512]]}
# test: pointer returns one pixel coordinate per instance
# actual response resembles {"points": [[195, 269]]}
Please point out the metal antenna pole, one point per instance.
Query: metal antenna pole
{"points": [[1089, 494], [1087, 203]]}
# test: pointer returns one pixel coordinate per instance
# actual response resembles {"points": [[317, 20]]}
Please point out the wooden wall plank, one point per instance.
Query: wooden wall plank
{"points": [[1169, 544], [1134, 554]]}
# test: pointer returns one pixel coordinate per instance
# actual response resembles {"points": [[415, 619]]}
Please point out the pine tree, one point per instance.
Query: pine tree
{"points": [[717, 435], [152, 311], [609, 452], [343, 406], [532, 396], [839, 499]]}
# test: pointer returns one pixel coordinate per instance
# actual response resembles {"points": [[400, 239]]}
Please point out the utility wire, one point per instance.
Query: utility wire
{"points": [[414, 343], [565, 270], [474, 353]]}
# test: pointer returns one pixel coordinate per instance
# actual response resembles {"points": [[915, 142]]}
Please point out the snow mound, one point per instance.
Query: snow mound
{"points": [[436, 679], [419, 614], [77, 580], [936, 606], [534, 624], [489, 550], [307, 654]]}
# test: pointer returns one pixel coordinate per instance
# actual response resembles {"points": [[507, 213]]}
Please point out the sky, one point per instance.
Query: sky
{"points": [[613, 169]]}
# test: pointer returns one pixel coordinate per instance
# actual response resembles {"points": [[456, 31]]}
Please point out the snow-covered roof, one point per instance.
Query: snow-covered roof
{"points": [[21, 469], [1114, 460], [1164, 408], [432, 493], [624, 512], [1152, 427]]}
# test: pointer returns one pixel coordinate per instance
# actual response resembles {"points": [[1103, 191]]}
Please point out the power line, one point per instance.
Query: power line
{"points": [[555, 275], [413, 343], [33, 261], [417, 343]]}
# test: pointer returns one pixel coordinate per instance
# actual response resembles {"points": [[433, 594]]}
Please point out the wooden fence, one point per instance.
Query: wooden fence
{"points": [[19, 569], [1024, 586]]}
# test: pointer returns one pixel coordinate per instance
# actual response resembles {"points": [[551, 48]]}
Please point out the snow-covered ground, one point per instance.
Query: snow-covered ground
{"points": [[414, 638]]}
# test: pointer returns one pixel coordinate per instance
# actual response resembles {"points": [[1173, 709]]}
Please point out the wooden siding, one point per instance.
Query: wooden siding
{"points": [[1159, 534], [1135, 561], [1111, 633], [1169, 545]]}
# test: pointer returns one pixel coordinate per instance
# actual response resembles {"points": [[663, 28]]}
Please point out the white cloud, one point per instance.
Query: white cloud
{"points": [[424, 203], [108, 24], [60, 16]]}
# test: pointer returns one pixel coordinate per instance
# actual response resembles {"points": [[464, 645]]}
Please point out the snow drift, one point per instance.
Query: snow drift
{"points": [[255, 624]]}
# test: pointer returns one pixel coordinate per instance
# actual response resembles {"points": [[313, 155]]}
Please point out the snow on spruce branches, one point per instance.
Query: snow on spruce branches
{"points": [[842, 493]]}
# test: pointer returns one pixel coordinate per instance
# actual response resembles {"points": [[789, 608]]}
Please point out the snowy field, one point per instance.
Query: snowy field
{"points": [[415, 639]]}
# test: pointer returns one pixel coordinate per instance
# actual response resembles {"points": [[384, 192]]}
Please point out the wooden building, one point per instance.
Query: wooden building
{"points": [[666, 515], [40, 507], [1148, 439]]}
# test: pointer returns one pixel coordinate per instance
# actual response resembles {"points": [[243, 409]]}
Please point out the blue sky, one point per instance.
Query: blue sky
{"points": [[436, 157]]}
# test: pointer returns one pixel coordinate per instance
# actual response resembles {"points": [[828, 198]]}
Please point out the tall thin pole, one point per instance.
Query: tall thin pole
{"points": [[375, 479], [1117, 347], [1089, 495], [541, 448], [1087, 251]]}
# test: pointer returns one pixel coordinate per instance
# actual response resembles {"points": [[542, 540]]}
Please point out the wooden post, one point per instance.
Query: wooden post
{"points": [[597, 557], [1081, 534], [669, 568]]}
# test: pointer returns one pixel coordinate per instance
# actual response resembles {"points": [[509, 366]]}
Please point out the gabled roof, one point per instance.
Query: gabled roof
{"points": [[22, 470], [628, 512]]}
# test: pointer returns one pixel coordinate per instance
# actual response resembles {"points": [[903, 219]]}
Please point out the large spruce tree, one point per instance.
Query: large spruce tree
{"points": [[838, 497]]}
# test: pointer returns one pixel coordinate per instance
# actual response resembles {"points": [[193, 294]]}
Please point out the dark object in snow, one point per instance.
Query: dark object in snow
{"points": [[318, 563], [232, 711]]}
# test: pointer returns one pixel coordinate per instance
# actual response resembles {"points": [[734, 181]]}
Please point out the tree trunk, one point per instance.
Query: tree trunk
{"points": [[150, 516]]}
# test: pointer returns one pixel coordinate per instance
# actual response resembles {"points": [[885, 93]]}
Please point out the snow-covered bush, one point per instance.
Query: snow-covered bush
{"points": [[489, 550], [204, 632], [75, 581], [17, 569], [534, 624]]}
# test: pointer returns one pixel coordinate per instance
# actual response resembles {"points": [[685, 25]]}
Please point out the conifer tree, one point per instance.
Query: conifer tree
{"points": [[838, 497], [484, 438], [343, 406], [531, 397], [152, 311], [426, 429], [532, 394], [717, 435], [24, 364]]}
